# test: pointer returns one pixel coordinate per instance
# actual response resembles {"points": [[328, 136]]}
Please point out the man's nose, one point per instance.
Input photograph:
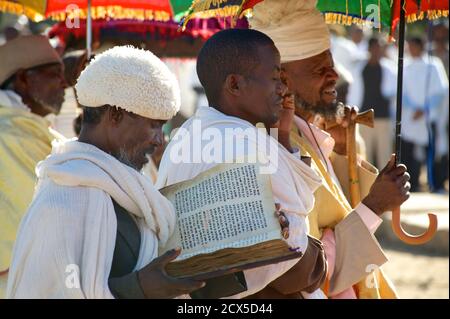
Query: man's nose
{"points": [[332, 74], [159, 138], [64, 83], [282, 89]]}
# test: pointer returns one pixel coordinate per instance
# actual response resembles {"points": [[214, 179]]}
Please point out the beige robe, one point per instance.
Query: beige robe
{"points": [[357, 250]]}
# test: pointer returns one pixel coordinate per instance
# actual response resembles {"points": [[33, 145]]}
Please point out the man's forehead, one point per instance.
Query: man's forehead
{"points": [[267, 51], [48, 67], [161, 122], [154, 122], [318, 61], [271, 55], [142, 121]]}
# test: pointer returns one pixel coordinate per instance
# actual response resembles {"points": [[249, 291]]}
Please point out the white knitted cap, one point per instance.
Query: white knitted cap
{"points": [[132, 79]]}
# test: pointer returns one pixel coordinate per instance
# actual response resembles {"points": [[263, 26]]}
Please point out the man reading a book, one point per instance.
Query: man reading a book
{"points": [[95, 222], [240, 71]]}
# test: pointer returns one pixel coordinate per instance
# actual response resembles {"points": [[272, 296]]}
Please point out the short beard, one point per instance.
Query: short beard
{"points": [[125, 159], [327, 111], [53, 109]]}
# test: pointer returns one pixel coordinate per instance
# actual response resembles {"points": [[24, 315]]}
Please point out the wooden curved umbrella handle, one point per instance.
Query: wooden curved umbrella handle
{"points": [[412, 239]]}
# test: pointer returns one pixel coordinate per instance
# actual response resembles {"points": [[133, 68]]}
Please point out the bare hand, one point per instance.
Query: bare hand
{"points": [[284, 222], [338, 132], [156, 283], [390, 189], [287, 114], [285, 122]]}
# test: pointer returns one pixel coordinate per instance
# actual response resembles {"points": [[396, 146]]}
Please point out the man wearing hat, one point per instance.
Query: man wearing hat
{"points": [[302, 37], [31, 86], [95, 223]]}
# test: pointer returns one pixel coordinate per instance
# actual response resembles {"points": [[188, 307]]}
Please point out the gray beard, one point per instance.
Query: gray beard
{"points": [[327, 111], [124, 159], [54, 109]]}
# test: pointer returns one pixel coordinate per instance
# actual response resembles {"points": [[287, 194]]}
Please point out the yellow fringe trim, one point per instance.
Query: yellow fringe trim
{"points": [[343, 19], [203, 5], [248, 13], [113, 12], [430, 15], [18, 9], [229, 11]]}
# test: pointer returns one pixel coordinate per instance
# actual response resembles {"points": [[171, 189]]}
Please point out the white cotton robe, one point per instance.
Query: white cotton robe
{"points": [[66, 240], [293, 182]]}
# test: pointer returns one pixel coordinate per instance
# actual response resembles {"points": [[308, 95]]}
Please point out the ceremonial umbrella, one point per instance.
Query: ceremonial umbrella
{"points": [[69, 10], [387, 17], [159, 10], [162, 38], [382, 14]]}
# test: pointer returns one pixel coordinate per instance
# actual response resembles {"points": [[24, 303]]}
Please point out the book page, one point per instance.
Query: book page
{"points": [[228, 206]]}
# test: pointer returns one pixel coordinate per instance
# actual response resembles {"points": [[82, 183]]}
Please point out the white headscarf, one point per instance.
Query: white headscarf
{"points": [[296, 26]]}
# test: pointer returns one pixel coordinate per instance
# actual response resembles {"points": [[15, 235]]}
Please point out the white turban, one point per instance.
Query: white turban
{"points": [[296, 26], [132, 79]]}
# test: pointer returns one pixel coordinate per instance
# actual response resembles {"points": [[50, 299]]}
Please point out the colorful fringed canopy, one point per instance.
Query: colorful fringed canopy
{"points": [[366, 11], [345, 12], [156, 10], [162, 38]]}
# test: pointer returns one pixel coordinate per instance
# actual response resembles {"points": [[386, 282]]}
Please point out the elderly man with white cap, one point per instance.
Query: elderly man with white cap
{"points": [[95, 223], [31, 86], [354, 255]]}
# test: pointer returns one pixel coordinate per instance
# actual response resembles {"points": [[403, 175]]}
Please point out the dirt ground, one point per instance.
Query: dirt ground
{"points": [[418, 276]]}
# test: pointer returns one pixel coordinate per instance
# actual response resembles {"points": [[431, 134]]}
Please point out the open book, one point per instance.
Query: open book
{"points": [[226, 222]]}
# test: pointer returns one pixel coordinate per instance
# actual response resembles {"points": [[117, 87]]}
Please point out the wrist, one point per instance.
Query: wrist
{"points": [[284, 140], [340, 149], [373, 205], [139, 281], [290, 149], [126, 287]]}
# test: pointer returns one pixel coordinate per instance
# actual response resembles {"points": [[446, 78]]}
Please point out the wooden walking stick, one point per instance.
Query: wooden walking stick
{"points": [[364, 118]]}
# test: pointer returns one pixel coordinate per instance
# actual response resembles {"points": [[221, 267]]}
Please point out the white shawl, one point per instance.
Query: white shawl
{"points": [[65, 243], [11, 99], [293, 183]]}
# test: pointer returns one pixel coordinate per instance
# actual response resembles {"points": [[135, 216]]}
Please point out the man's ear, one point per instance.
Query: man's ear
{"points": [[115, 115], [234, 84]]}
